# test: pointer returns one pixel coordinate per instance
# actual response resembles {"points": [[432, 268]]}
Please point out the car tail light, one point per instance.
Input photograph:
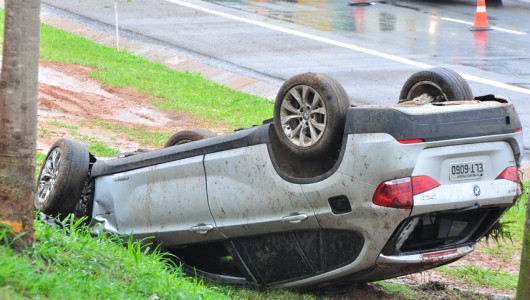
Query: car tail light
{"points": [[421, 184], [411, 141], [519, 130], [510, 173], [399, 193]]}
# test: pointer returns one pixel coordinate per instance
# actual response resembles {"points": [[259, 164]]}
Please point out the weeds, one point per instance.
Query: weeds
{"points": [[501, 232]]}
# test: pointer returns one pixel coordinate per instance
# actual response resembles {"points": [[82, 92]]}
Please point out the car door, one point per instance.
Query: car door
{"points": [[247, 197], [167, 201]]}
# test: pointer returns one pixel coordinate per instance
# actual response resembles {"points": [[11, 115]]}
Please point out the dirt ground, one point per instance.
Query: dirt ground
{"points": [[69, 99]]}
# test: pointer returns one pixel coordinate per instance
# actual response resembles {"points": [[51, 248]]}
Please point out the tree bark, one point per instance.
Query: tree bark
{"points": [[523, 288], [18, 116]]}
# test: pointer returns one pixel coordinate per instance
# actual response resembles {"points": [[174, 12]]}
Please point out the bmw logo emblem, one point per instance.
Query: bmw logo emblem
{"points": [[476, 190]]}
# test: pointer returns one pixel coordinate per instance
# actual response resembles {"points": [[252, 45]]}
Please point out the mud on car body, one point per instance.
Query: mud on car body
{"points": [[324, 194]]}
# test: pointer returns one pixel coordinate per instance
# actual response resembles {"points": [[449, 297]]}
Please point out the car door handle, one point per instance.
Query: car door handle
{"points": [[294, 218], [201, 228]]}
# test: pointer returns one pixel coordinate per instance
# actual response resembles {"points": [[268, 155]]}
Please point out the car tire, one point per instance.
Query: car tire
{"points": [[190, 135], [309, 114], [440, 84], [62, 178]]}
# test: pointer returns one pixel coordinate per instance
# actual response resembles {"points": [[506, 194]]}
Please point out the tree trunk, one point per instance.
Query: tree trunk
{"points": [[523, 288], [18, 116]]}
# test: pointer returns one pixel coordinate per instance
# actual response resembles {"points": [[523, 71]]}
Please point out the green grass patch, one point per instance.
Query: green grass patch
{"points": [[63, 125], [101, 150], [171, 90], [483, 276], [398, 289], [68, 263], [140, 134]]}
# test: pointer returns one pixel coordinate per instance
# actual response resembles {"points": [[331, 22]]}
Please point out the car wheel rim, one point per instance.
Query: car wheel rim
{"points": [[48, 175], [303, 116], [429, 89]]}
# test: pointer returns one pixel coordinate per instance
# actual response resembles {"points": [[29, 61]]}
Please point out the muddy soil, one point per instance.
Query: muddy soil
{"points": [[71, 103], [69, 99]]}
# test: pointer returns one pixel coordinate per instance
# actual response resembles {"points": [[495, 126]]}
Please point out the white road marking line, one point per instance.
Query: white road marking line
{"points": [[347, 46], [492, 27]]}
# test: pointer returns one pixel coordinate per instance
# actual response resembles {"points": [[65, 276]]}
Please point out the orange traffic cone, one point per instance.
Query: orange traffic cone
{"points": [[481, 17]]}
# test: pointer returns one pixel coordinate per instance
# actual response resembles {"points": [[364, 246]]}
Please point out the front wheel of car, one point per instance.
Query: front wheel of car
{"points": [[309, 114], [62, 178], [437, 84], [189, 135]]}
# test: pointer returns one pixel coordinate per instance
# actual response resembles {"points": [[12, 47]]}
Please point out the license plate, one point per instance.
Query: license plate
{"points": [[466, 170]]}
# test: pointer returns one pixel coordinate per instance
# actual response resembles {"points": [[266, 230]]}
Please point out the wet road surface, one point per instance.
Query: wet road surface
{"points": [[370, 49], [433, 32]]}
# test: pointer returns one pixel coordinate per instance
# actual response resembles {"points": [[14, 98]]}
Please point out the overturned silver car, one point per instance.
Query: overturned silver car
{"points": [[324, 194]]}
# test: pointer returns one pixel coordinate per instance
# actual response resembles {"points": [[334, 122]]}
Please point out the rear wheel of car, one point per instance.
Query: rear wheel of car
{"points": [[190, 135], [309, 114], [438, 84], [62, 177]]}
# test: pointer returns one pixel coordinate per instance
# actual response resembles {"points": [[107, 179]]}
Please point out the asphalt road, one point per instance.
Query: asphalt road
{"points": [[370, 49]]}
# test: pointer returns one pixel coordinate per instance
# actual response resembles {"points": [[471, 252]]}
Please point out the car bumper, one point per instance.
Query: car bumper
{"points": [[422, 258]]}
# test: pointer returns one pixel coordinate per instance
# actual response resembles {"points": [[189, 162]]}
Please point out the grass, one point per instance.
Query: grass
{"points": [[68, 263], [398, 289], [483, 276], [64, 126], [100, 149]]}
